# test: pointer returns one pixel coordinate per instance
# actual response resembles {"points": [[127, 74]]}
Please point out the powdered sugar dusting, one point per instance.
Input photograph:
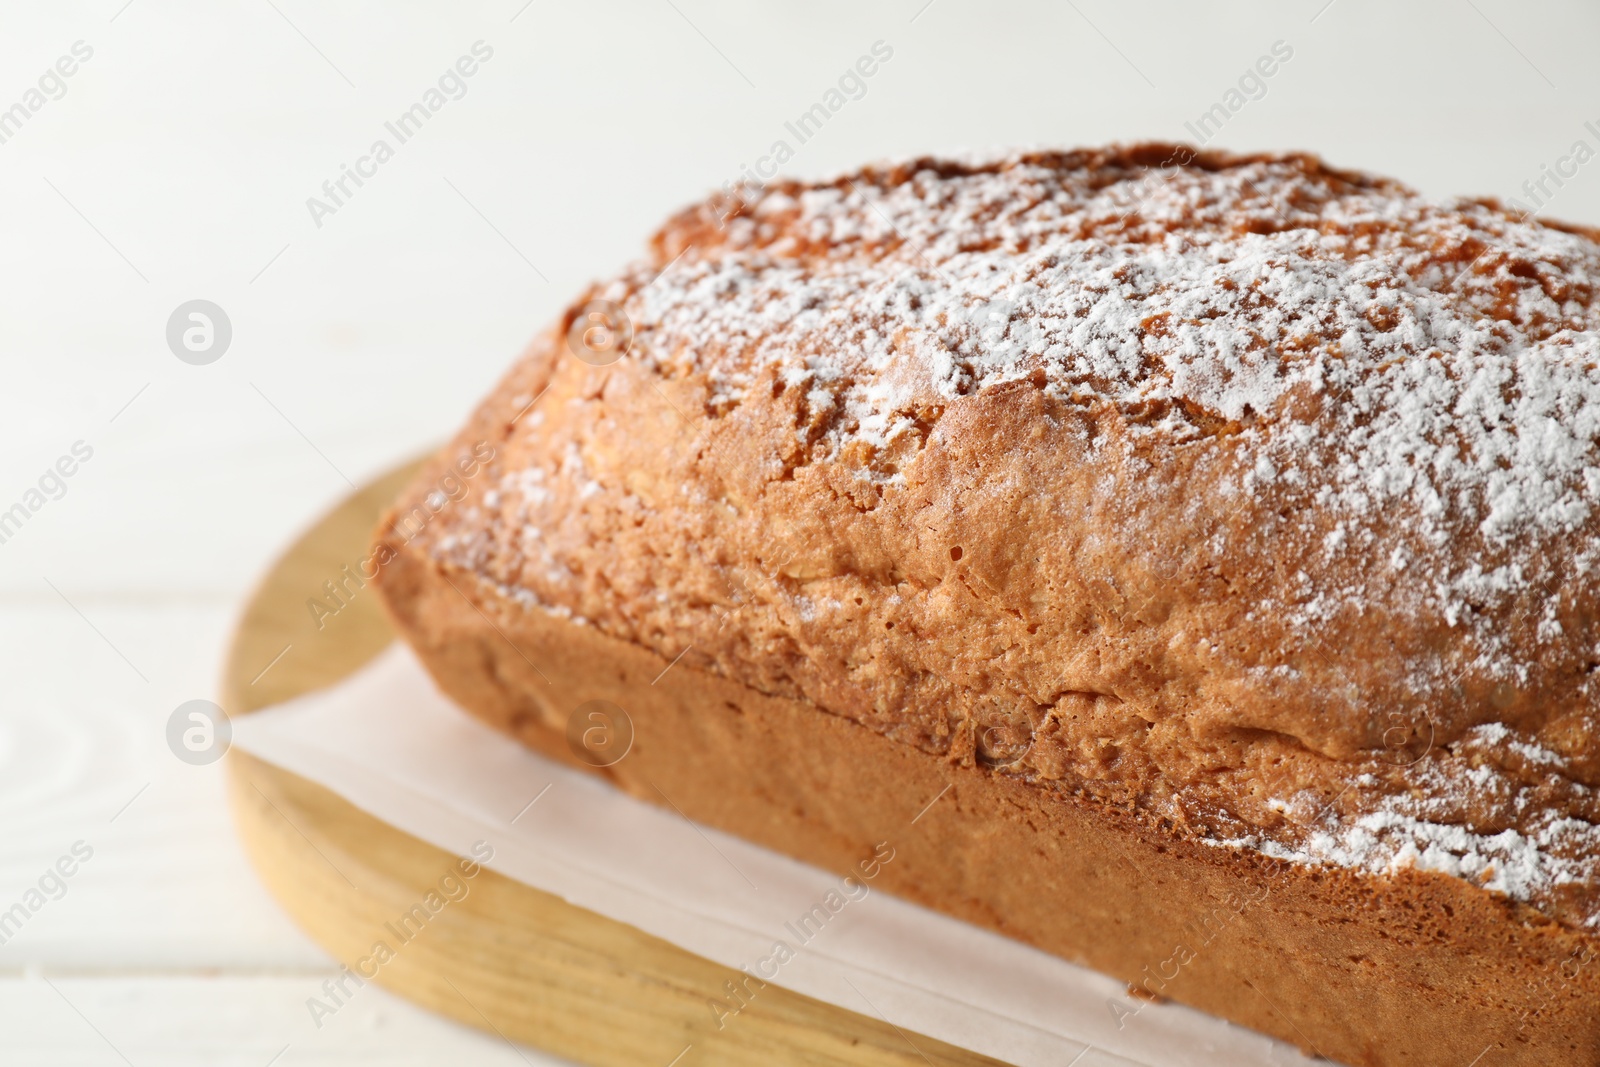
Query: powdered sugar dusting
{"points": [[1414, 385], [1524, 867], [1455, 345], [1448, 353]]}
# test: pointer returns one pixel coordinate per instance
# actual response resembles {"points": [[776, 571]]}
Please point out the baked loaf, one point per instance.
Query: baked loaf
{"points": [[1220, 530]]}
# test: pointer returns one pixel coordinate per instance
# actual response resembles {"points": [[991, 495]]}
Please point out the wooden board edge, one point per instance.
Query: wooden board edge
{"points": [[496, 954]]}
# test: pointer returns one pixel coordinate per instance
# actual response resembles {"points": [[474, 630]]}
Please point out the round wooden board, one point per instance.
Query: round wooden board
{"points": [[508, 957]]}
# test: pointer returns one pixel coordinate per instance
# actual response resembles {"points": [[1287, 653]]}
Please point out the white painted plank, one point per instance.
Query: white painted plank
{"points": [[80, 736], [64, 1020]]}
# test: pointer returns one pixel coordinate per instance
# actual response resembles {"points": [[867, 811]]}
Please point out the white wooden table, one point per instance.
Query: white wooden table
{"points": [[176, 165]]}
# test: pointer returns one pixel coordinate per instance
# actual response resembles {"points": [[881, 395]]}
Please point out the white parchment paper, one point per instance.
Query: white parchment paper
{"points": [[389, 742]]}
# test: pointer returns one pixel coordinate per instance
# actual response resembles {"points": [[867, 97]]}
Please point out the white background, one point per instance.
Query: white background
{"points": [[177, 166]]}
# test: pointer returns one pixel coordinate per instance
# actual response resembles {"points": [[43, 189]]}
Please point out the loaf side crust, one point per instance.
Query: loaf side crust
{"points": [[1415, 968]]}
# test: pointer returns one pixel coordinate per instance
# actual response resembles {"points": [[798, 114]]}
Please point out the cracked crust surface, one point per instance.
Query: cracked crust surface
{"points": [[1244, 494]]}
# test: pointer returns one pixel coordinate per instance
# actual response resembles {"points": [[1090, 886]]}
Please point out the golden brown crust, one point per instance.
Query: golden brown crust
{"points": [[1239, 491], [1415, 969]]}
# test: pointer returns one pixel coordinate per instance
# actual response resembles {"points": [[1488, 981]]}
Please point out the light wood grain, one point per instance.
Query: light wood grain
{"points": [[517, 960]]}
